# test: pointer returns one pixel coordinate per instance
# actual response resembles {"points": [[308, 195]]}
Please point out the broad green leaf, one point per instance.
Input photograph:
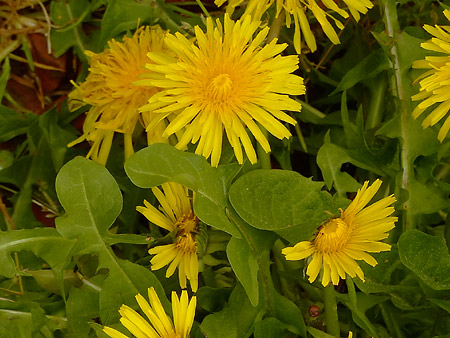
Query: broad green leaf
{"points": [[43, 242], [427, 256], [443, 304], [282, 201], [116, 20], [368, 68], [330, 158], [269, 328], [29, 324], [161, 163], [236, 320], [92, 201], [12, 123], [113, 295], [288, 313], [56, 137], [6, 159], [363, 303], [82, 306], [68, 16], [317, 333], [378, 278], [245, 266]]}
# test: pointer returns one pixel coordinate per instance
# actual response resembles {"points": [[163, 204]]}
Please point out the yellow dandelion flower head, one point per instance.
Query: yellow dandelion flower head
{"points": [[111, 90], [224, 81], [298, 11], [435, 83], [343, 240], [159, 324], [175, 215]]}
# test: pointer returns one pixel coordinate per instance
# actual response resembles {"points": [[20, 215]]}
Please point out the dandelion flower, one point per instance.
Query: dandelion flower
{"points": [[297, 10], [115, 98], [160, 325], [176, 216], [224, 81], [343, 240], [435, 83]]}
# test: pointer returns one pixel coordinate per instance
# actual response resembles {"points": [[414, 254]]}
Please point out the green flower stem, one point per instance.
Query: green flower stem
{"points": [[275, 29], [331, 315], [204, 10], [401, 90], [263, 157]]}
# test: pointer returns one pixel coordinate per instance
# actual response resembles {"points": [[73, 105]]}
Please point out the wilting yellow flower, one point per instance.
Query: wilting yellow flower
{"points": [[435, 84], [299, 9], [177, 216], [115, 98], [342, 240], [160, 325], [225, 81]]}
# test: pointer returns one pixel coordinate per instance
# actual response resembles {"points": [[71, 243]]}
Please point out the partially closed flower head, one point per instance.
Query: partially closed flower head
{"points": [[343, 240], [111, 91], [159, 324], [298, 11], [435, 83], [225, 82], [175, 215]]}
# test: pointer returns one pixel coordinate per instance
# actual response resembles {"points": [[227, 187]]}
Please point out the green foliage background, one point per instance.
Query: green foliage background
{"points": [[355, 125]]}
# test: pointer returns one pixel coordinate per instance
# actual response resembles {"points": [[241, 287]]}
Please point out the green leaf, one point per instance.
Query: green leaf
{"points": [[236, 320], [116, 20], [330, 158], [56, 137], [4, 77], [92, 201], [64, 14], [317, 333], [245, 266], [43, 242], [378, 278], [443, 304], [427, 256], [6, 159], [368, 68], [13, 123], [288, 313], [82, 306], [363, 303], [269, 328], [161, 163], [282, 201]]}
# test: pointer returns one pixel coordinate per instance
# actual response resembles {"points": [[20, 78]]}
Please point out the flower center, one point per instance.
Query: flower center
{"points": [[332, 236], [186, 224], [220, 87], [186, 244]]}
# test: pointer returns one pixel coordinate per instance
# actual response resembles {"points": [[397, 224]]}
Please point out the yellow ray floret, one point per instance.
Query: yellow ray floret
{"points": [[343, 240], [435, 83], [175, 215], [298, 11], [225, 81], [159, 324], [115, 98]]}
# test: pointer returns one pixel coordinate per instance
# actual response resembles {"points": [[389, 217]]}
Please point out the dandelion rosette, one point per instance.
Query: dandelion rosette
{"points": [[224, 81], [115, 98], [435, 83], [343, 240], [159, 325], [176, 216], [298, 10]]}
